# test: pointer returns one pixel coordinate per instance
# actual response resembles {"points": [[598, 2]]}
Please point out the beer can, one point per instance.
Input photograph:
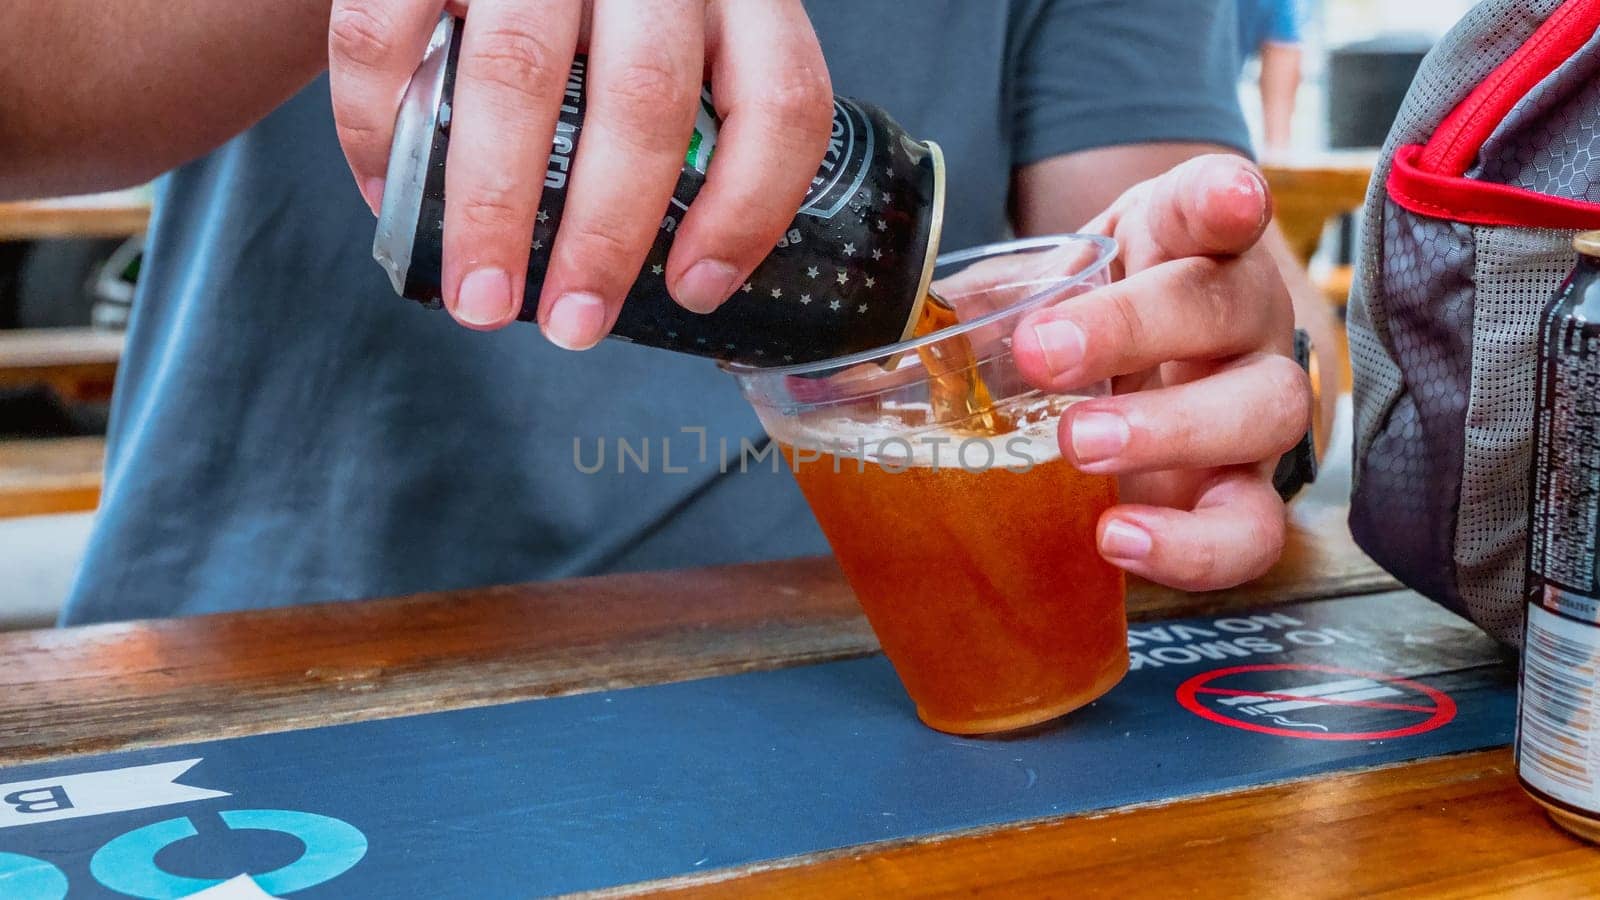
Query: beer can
{"points": [[1558, 721], [850, 273]]}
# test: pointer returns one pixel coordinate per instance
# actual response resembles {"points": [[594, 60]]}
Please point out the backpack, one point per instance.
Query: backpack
{"points": [[1492, 166]]}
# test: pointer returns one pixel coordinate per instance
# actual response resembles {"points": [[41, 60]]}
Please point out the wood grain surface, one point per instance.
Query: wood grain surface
{"points": [[55, 475], [113, 687], [1454, 827]]}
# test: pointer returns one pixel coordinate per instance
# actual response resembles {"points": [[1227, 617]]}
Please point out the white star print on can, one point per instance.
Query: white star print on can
{"points": [[824, 248]]}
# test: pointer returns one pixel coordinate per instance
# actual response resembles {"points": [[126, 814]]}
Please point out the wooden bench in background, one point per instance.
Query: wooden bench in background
{"points": [[56, 475], [1309, 193], [80, 364], [118, 214], [50, 476], [40, 477]]}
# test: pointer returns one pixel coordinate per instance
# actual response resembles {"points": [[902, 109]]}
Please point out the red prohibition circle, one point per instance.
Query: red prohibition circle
{"points": [[1444, 708]]}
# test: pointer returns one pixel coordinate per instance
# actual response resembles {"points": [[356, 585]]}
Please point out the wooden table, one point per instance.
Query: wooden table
{"points": [[116, 214], [1450, 827]]}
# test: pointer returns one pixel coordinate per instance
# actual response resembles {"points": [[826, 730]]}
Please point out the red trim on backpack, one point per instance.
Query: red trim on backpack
{"points": [[1455, 144], [1479, 202]]}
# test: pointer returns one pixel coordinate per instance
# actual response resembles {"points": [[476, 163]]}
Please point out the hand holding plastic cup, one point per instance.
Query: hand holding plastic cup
{"points": [[935, 473]]}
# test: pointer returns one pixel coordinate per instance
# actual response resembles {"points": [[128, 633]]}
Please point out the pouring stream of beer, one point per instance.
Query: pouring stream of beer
{"points": [[959, 397]]}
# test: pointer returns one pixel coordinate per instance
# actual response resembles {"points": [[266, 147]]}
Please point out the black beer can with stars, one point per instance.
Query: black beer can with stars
{"points": [[850, 274]]}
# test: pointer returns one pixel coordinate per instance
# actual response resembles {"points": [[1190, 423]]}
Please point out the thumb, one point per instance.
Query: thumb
{"points": [[1216, 205]]}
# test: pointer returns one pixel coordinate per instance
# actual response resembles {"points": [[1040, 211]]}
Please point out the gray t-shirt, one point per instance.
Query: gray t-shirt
{"points": [[286, 430]]}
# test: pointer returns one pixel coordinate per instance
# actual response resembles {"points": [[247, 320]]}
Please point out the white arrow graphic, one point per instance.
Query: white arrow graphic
{"points": [[242, 888], [98, 793]]}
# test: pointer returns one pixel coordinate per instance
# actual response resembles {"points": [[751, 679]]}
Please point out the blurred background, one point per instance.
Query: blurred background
{"points": [[1353, 52], [1320, 82]]}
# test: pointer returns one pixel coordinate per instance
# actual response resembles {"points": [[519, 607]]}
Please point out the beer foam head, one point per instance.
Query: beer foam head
{"points": [[888, 440]]}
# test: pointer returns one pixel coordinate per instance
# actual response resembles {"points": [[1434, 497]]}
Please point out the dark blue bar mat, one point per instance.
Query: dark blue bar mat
{"points": [[613, 788]]}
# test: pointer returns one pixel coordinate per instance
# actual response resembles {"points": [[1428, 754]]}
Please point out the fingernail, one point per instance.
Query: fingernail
{"points": [[1099, 436], [1125, 542], [576, 321], [1063, 344], [484, 298], [1253, 185], [706, 285], [1248, 182], [373, 192]]}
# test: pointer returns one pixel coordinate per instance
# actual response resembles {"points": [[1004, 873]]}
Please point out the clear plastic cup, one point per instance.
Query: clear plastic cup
{"points": [[968, 539]]}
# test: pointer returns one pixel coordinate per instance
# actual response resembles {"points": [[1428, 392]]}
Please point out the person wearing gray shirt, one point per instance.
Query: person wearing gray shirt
{"points": [[286, 430]]}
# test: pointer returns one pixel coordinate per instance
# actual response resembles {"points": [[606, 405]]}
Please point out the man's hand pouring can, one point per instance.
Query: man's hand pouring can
{"points": [[850, 274]]}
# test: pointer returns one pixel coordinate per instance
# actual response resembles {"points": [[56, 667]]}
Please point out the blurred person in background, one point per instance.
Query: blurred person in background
{"points": [[1271, 30]]}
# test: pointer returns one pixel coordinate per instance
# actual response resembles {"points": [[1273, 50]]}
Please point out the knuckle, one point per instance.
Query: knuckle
{"points": [[1234, 305], [513, 60], [359, 133], [1264, 279], [1201, 566], [598, 245], [359, 32], [1279, 402], [1269, 533], [492, 208], [1290, 392], [1124, 323], [1207, 283], [802, 99], [1274, 534], [649, 86], [1175, 437], [647, 102]]}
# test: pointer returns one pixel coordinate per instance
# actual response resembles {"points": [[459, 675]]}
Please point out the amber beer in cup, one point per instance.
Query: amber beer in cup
{"points": [[935, 472]]}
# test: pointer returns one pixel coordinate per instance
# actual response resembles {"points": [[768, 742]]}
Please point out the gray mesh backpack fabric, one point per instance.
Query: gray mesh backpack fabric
{"points": [[1492, 167]]}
